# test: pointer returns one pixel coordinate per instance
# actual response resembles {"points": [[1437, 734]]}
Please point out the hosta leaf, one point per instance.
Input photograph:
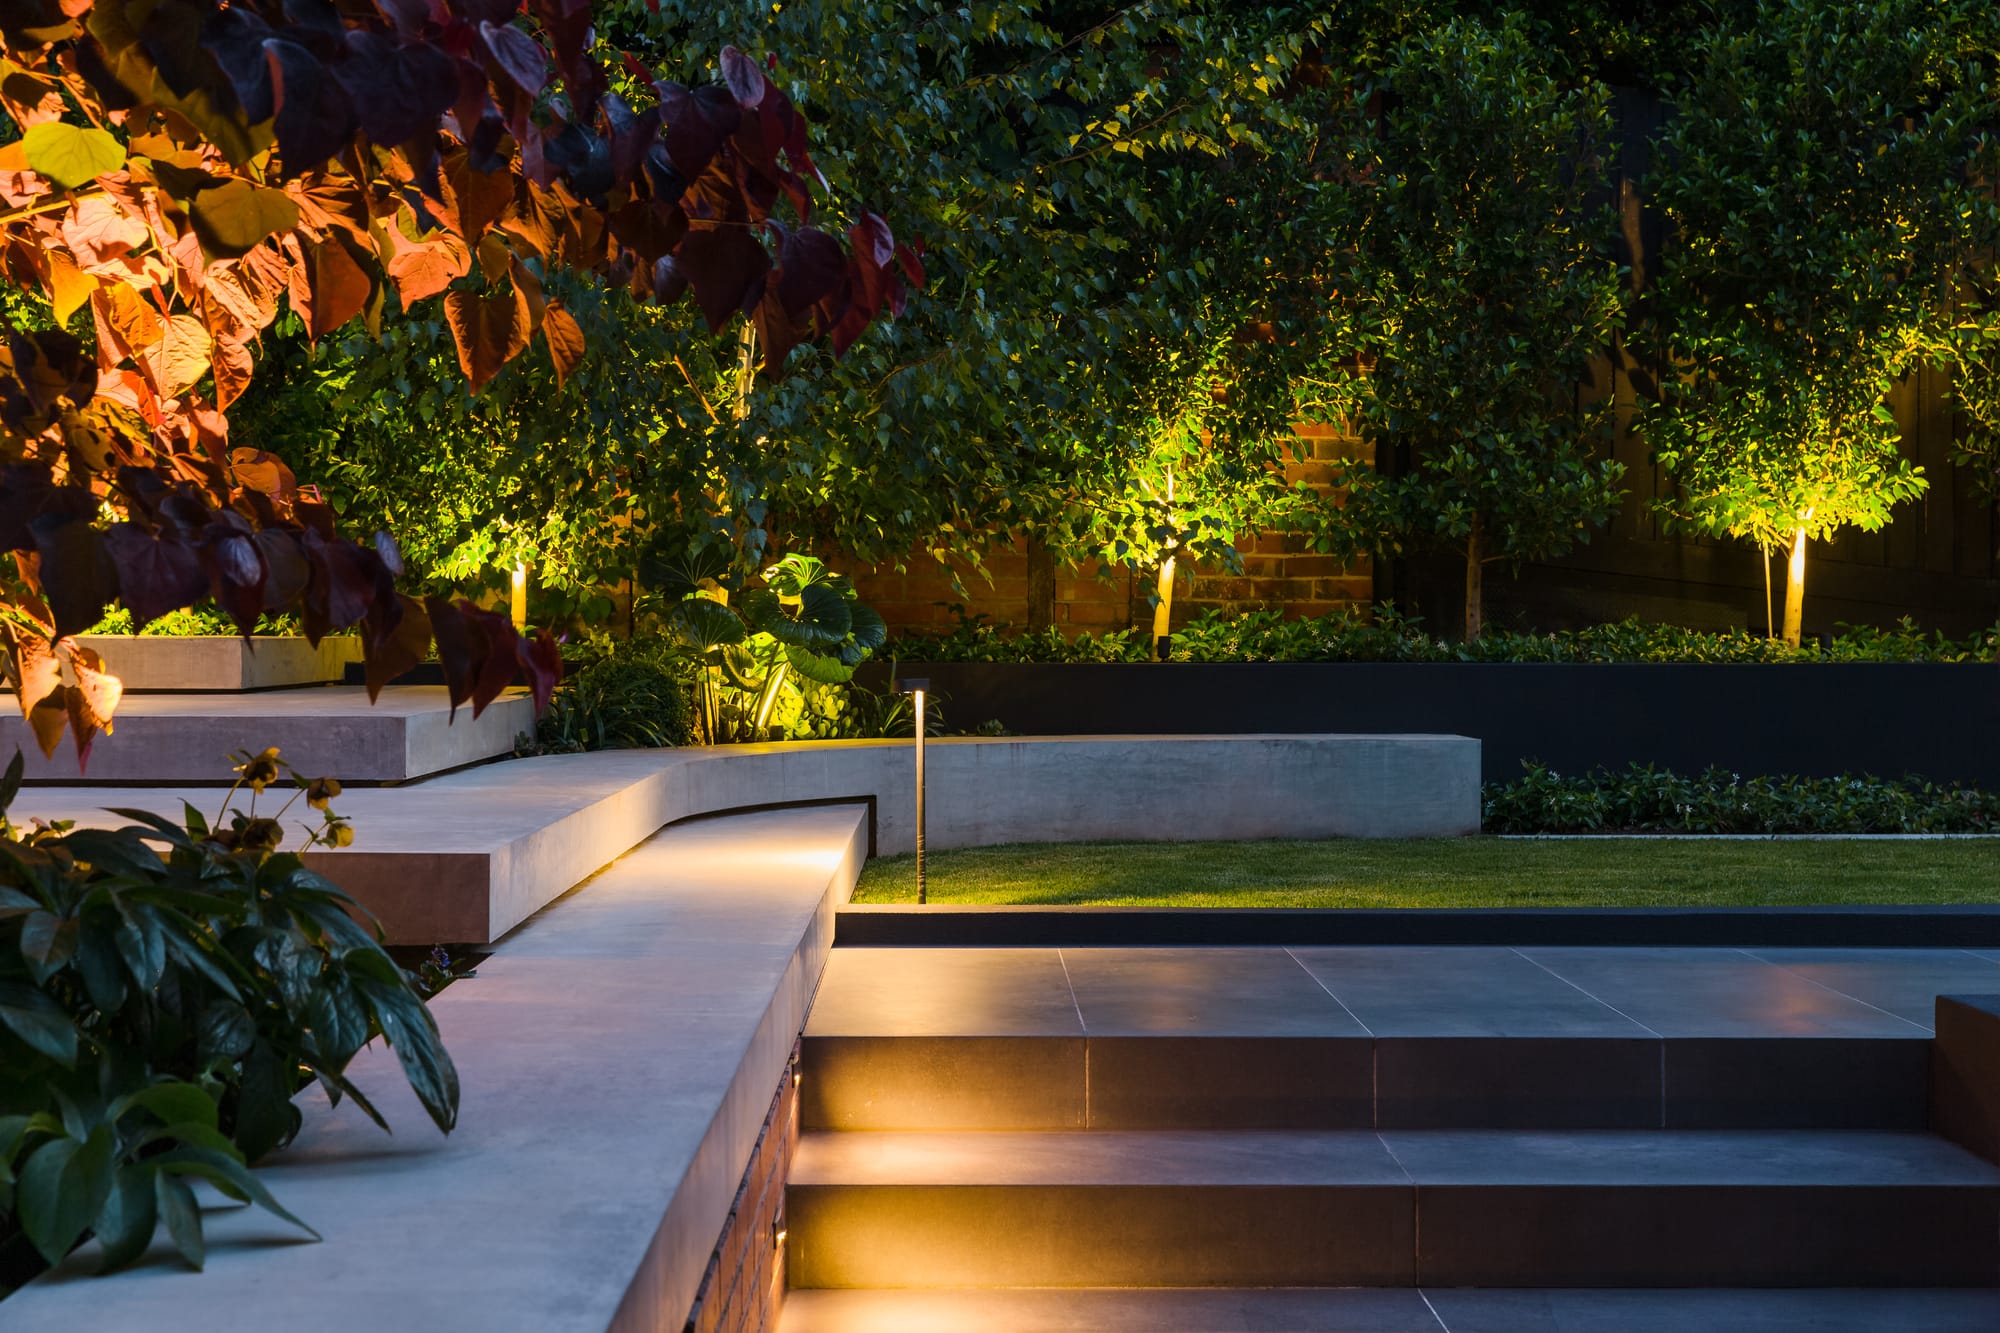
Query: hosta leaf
{"points": [[71, 155]]}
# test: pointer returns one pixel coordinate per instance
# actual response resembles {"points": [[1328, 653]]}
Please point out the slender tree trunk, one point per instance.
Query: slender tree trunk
{"points": [[1475, 573], [1770, 620], [1041, 585], [1163, 608], [1795, 588]]}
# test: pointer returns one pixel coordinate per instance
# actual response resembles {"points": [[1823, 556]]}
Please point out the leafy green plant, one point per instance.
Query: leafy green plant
{"points": [[1644, 799], [636, 695], [166, 988], [804, 626], [200, 621]]}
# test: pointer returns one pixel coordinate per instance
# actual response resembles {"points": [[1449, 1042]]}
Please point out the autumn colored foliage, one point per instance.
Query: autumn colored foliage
{"points": [[184, 168]]}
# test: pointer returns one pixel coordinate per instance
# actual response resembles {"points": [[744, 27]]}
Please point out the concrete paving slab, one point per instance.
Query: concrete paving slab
{"points": [[1418, 992], [1841, 1310], [1905, 982], [1202, 992], [1716, 993], [328, 730], [945, 993], [617, 1058]]}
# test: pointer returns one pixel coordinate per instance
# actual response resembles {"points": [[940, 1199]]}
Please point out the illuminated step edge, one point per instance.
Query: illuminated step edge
{"points": [[1215, 1209], [1308, 1310]]}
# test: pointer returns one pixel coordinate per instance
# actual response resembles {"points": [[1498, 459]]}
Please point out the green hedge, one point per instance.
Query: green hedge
{"points": [[1643, 799], [1386, 636]]}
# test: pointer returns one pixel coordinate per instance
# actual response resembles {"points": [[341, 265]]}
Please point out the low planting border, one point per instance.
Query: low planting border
{"points": [[1936, 720]]}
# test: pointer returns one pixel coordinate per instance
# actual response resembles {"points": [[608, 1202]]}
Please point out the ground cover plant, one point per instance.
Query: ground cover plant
{"points": [[1382, 635], [1461, 872], [166, 989], [1644, 799]]}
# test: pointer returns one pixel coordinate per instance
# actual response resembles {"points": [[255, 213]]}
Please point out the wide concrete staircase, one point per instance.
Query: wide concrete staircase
{"points": [[1045, 1182]]}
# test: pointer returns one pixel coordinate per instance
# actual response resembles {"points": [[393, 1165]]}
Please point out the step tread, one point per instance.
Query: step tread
{"points": [[1659, 1158], [1306, 1310]]}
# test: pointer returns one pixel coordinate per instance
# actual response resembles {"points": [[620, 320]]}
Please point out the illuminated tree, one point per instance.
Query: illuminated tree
{"points": [[1822, 172]]}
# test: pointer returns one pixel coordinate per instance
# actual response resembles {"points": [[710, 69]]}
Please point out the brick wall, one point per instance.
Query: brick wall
{"points": [[743, 1290], [1277, 572]]}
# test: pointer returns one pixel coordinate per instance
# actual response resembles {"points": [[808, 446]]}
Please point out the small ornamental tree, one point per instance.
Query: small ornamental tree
{"points": [[183, 170], [1823, 174], [1482, 294]]}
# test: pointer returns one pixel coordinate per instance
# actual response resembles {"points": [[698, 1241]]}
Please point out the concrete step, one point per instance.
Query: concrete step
{"points": [[1438, 1310], [1363, 1082], [408, 732], [1499, 1209]]}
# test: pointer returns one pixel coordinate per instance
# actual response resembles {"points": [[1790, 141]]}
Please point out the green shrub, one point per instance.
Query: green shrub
{"points": [[165, 990], [201, 621], [636, 695], [1644, 799], [1387, 636]]}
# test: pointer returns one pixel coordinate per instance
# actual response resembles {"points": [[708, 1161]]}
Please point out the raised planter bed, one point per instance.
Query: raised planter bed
{"points": [[159, 663], [1936, 720]]}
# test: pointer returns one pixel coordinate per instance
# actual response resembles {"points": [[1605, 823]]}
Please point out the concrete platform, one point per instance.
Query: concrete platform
{"points": [[617, 1056], [467, 856], [149, 663], [329, 730]]}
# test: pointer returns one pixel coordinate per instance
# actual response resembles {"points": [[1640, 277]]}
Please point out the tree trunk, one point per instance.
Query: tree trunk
{"points": [[1795, 588], [1770, 621], [1475, 573], [1041, 585], [1163, 609]]}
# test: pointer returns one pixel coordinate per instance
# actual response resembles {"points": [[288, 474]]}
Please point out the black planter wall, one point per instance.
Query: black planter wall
{"points": [[1939, 721]]}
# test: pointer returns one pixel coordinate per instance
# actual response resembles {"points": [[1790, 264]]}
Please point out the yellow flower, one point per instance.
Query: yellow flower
{"points": [[261, 835], [320, 792], [339, 833], [261, 771]]}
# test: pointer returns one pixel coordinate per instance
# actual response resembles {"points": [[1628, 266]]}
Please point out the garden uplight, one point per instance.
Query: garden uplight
{"points": [[916, 686], [520, 595]]}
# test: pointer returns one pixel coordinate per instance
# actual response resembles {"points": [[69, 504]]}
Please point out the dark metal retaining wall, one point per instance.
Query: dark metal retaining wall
{"points": [[1939, 721]]}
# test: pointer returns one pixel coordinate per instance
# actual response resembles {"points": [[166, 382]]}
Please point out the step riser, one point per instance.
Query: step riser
{"points": [[1124, 1083], [1513, 1236]]}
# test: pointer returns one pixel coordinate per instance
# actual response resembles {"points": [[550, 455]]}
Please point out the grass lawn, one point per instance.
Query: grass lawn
{"points": [[1466, 872]]}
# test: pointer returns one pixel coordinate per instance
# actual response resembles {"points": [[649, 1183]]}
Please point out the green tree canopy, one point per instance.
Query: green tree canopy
{"points": [[1822, 173], [1481, 295]]}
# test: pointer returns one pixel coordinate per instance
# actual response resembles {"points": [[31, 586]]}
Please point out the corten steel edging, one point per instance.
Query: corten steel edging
{"points": [[1821, 719], [1957, 927]]}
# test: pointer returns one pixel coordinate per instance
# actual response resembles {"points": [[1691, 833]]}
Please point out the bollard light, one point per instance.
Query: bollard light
{"points": [[518, 602], [917, 686]]}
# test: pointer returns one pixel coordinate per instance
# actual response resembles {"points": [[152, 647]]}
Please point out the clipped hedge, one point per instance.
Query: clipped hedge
{"points": [[1644, 799], [1386, 636]]}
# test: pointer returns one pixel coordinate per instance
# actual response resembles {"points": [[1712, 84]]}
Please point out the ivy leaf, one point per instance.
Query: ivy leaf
{"points": [[71, 155]]}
